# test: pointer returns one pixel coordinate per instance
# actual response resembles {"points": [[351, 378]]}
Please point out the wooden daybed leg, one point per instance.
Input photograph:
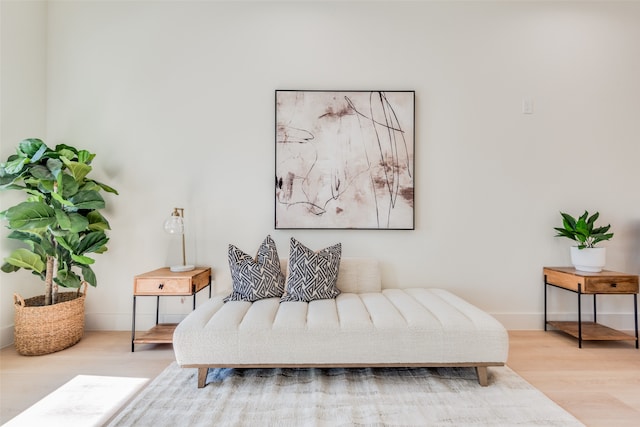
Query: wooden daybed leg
{"points": [[482, 375], [202, 377]]}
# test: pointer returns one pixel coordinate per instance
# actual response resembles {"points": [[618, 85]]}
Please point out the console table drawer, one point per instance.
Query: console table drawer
{"points": [[162, 286], [611, 287]]}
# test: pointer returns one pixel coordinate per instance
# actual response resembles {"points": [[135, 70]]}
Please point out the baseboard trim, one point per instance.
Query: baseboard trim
{"points": [[6, 336]]}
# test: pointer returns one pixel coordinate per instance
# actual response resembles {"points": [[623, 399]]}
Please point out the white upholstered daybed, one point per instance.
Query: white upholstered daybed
{"points": [[363, 326]]}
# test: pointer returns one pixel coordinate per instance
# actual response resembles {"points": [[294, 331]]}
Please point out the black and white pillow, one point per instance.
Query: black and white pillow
{"points": [[312, 275], [255, 279]]}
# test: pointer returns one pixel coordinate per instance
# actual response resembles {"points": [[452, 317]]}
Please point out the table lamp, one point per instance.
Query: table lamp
{"points": [[175, 225]]}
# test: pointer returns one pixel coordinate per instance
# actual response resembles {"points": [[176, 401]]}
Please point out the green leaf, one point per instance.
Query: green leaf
{"points": [[87, 200], [63, 202], [62, 241], [25, 236], [564, 233], [581, 227], [89, 185], [81, 259], [68, 279], [601, 230], [46, 246], [568, 221], [66, 150], [45, 187], [8, 182], [55, 166], [92, 242], [601, 237], [106, 188], [9, 268], [30, 215], [24, 258], [41, 172], [40, 153], [68, 184], [97, 222], [78, 223], [88, 275], [101, 250], [78, 170], [85, 156], [63, 219], [31, 146], [15, 166]]}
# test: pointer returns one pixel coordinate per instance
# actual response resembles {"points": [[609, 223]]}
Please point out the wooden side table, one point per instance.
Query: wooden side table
{"points": [[164, 282], [580, 282]]}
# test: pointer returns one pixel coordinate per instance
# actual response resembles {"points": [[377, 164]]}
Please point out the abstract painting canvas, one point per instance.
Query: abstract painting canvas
{"points": [[344, 159]]}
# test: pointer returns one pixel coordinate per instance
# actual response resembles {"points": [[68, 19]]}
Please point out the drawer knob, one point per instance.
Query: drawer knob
{"points": [[614, 285], [161, 285]]}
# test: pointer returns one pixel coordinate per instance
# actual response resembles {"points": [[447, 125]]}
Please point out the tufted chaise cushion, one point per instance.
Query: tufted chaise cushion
{"points": [[412, 326]]}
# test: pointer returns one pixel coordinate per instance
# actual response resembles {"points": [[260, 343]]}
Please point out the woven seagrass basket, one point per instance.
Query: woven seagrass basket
{"points": [[43, 329]]}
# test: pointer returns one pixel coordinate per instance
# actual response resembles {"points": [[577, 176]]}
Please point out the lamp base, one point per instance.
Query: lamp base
{"points": [[180, 268]]}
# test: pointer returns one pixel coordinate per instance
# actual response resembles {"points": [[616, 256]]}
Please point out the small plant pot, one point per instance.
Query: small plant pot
{"points": [[591, 260]]}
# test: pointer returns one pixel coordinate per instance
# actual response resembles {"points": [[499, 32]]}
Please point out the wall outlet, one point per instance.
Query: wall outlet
{"points": [[527, 106]]}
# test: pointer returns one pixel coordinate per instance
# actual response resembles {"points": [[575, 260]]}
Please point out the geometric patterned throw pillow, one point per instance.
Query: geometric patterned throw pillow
{"points": [[258, 278], [312, 275]]}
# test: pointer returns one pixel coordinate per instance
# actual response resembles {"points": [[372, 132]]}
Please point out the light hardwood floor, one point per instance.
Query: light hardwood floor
{"points": [[599, 384]]}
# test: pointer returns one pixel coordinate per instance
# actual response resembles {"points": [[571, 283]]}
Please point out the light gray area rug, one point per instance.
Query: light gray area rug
{"points": [[342, 397]]}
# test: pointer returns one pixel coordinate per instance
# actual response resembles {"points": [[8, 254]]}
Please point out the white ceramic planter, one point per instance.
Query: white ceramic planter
{"points": [[588, 259]]}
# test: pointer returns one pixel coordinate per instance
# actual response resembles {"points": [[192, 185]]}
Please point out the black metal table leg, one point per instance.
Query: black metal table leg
{"points": [[635, 315], [545, 302], [579, 316], [133, 325]]}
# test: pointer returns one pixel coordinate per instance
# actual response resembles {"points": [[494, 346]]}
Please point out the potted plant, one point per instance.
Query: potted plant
{"points": [[585, 256], [60, 224]]}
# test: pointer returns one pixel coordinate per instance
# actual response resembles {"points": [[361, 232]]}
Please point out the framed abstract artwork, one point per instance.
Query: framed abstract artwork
{"points": [[344, 159]]}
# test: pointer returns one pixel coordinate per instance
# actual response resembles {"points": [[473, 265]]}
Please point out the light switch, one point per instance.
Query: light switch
{"points": [[527, 106]]}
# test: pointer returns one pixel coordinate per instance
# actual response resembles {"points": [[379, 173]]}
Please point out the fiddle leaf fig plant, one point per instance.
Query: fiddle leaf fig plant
{"points": [[583, 230], [60, 221]]}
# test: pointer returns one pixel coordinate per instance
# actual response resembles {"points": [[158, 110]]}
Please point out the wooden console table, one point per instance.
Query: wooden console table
{"points": [[164, 282], [580, 282]]}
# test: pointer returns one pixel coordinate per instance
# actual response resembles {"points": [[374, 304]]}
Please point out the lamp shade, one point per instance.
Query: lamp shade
{"points": [[174, 225]]}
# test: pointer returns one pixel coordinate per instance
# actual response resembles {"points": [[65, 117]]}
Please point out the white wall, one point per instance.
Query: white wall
{"points": [[177, 100], [23, 35]]}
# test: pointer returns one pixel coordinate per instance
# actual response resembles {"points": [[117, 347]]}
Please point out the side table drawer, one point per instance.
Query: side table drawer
{"points": [[162, 286], [608, 286]]}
